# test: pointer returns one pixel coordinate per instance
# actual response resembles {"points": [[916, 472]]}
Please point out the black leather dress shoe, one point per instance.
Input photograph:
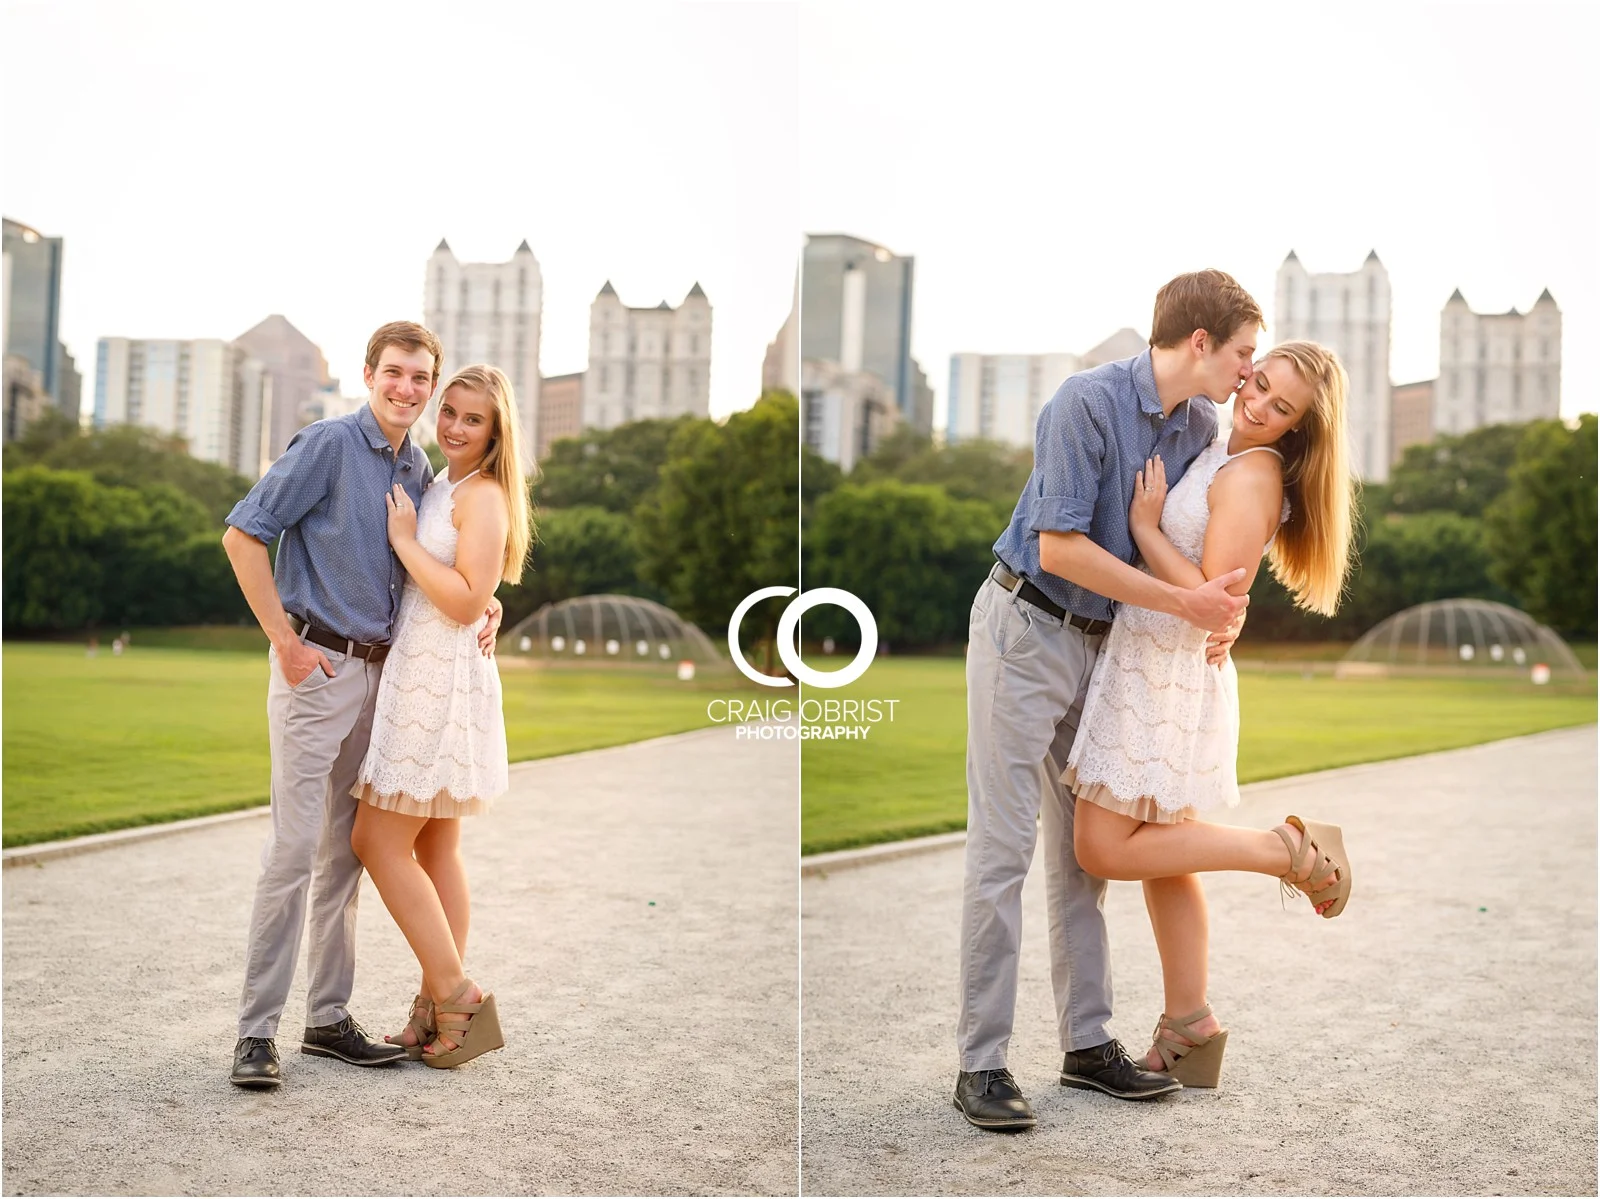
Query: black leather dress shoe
{"points": [[255, 1063], [349, 1042], [991, 1099], [1108, 1068]]}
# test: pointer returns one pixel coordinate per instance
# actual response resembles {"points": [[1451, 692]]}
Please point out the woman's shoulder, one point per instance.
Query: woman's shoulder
{"points": [[1260, 463], [479, 495], [1249, 476]]}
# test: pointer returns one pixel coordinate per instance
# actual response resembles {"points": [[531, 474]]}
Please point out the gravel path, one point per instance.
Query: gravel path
{"points": [[635, 915], [1437, 1038]]}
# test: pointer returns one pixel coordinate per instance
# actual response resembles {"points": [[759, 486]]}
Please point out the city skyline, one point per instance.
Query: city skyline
{"points": [[1054, 200], [653, 180]]}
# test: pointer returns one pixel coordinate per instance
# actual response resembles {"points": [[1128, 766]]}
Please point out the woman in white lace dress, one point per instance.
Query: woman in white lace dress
{"points": [[1158, 740], [438, 749]]}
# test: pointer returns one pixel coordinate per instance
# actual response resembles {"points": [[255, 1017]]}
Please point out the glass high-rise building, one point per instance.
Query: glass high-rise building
{"points": [[33, 310], [855, 310]]}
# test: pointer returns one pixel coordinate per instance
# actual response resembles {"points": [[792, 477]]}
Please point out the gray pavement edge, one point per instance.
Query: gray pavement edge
{"points": [[867, 855], [45, 851]]}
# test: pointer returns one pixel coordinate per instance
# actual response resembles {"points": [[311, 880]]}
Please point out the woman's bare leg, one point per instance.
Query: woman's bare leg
{"points": [[1114, 846], [439, 854], [1178, 914], [384, 841]]}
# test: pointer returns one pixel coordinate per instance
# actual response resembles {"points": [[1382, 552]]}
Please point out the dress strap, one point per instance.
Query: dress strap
{"points": [[1252, 450], [461, 480]]}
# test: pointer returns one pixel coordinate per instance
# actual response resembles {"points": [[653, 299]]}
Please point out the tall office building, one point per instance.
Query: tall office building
{"points": [[32, 303], [1411, 411], [25, 397], [1497, 368], [326, 403], [780, 369], [1124, 343], [1350, 314], [560, 409], [647, 363], [855, 310], [299, 379], [210, 392], [490, 312], [845, 414], [997, 397]]}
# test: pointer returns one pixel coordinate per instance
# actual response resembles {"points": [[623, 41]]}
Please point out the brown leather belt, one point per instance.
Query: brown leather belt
{"points": [[331, 640], [1025, 590]]}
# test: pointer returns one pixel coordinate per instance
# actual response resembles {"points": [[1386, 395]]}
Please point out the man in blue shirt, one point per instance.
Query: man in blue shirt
{"points": [[328, 609], [1037, 623]]}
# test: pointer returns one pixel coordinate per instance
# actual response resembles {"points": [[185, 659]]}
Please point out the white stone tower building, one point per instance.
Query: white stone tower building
{"points": [[490, 312], [647, 363], [1497, 368], [1350, 314]]}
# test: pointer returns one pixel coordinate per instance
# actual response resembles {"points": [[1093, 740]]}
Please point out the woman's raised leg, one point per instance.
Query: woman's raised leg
{"points": [[1114, 846]]}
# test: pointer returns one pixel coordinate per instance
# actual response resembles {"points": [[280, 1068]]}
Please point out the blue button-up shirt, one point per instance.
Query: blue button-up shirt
{"points": [[1092, 438], [325, 496]]}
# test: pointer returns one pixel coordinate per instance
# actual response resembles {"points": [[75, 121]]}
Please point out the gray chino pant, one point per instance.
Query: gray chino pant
{"points": [[1027, 675], [318, 733]]}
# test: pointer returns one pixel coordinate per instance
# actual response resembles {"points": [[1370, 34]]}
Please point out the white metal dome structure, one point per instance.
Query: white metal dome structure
{"points": [[611, 628], [1470, 634]]}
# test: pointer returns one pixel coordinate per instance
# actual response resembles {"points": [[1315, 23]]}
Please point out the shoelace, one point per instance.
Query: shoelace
{"points": [[989, 1077], [1114, 1051], [253, 1043]]}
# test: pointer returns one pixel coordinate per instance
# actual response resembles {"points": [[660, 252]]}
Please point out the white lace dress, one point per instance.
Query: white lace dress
{"points": [[1159, 736], [438, 733]]}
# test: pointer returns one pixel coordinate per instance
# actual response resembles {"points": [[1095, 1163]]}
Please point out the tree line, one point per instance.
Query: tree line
{"points": [[121, 527], [1505, 513]]}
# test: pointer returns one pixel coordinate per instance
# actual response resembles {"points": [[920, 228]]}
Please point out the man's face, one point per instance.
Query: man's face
{"points": [[400, 386], [1225, 365]]}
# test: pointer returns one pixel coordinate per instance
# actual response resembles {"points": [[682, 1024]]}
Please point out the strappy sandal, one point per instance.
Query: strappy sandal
{"points": [[1319, 857], [478, 1033], [421, 1026], [1197, 1063]]}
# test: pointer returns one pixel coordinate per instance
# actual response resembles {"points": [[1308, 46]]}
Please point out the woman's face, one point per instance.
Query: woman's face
{"points": [[466, 426], [1272, 401]]}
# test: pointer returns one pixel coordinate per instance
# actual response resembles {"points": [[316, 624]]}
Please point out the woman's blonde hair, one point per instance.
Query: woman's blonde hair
{"points": [[503, 460], [1311, 553]]}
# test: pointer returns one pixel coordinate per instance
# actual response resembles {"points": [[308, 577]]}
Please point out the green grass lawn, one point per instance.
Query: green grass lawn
{"points": [[908, 778], [158, 734]]}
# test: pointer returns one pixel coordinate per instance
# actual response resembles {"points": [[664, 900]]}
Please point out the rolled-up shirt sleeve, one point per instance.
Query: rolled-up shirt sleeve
{"points": [[1069, 457], [292, 486]]}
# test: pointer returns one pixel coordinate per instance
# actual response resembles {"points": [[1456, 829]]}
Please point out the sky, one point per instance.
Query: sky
{"points": [[1050, 167], [210, 164]]}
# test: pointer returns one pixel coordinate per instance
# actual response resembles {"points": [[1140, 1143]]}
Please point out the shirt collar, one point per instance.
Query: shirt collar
{"points": [[1144, 386], [368, 424]]}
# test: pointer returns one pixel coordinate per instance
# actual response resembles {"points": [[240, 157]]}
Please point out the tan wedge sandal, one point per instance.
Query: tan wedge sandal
{"points": [[421, 1025], [478, 1033], [1198, 1063], [1321, 853]]}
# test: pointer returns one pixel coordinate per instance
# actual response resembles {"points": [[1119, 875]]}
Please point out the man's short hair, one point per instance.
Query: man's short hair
{"points": [[1211, 300], [409, 336]]}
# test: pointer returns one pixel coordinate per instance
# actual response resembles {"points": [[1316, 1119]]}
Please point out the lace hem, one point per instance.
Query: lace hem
{"points": [[442, 806], [1145, 808]]}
